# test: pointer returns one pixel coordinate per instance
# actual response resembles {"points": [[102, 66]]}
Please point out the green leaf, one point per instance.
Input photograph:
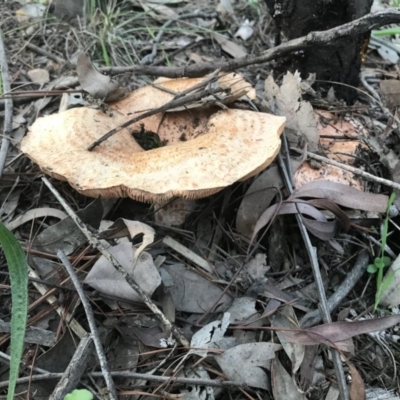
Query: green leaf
{"points": [[372, 268], [79, 394], [18, 269], [386, 261], [379, 263]]}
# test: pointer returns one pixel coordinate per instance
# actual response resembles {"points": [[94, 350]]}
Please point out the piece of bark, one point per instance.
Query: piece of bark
{"points": [[338, 61]]}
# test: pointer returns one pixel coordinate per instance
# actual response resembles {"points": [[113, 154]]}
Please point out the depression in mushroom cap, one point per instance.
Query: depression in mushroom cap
{"points": [[203, 149]]}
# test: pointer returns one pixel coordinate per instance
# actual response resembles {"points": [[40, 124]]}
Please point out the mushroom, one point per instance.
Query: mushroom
{"points": [[205, 149]]}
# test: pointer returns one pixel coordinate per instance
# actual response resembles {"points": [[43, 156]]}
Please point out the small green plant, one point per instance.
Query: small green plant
{"points": [[381, 262], [18, 269], [79, 394]]}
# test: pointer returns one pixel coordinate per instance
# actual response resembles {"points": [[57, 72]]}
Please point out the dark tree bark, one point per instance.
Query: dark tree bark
{"points": [[339, 61]]}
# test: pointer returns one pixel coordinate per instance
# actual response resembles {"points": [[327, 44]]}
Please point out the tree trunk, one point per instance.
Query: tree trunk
{"points": [[338, 61]]}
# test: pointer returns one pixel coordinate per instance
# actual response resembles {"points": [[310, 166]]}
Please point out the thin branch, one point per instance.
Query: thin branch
{"points": [[8, 106], [356, 27], [75, 369], [135, 375], [46, 53], [129, 279], [92, 325], [357, 171], [324, 310], [312, 318], [174, 103]]}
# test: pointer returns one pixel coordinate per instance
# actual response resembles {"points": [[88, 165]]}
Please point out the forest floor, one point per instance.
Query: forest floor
{"points": [[278, 283]]}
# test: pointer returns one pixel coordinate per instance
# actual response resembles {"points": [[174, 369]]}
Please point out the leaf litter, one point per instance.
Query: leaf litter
{"points": [[241, 319]]}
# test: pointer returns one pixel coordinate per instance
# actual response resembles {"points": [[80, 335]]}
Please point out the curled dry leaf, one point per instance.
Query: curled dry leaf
{"points": [[125, 227], [211, 150], [319, 225], [325, 195], [95, 83], [35, 213], [343, 195], [259, 196]]}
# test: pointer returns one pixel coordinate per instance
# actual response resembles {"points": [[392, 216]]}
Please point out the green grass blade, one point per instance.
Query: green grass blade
{"points": [[18, 269]]}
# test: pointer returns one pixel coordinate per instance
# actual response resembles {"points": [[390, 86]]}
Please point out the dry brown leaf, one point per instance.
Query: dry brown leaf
{"points": [[190, 291], [35, 213], [286, 101], [343, 195], [233, 49], [357, 388], [320, 226], [244, 363], [338, 331], [283, 386], [286, 318], [39, 75], [106, 279], [95, 83]]}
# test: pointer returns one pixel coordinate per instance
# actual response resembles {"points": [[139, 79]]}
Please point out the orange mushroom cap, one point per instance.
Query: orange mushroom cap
{"points": [[232, 145]]}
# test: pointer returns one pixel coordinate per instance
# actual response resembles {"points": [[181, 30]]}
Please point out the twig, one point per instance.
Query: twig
{"points": [[8, 106], [46, 53], [76, 368], [135, 375], [30, 94], [356, 171], [356, 27], [149, 58], [7, 359], [176, 102], [92, 325], [312, 318], [189, 254], [326, 317], [132, 283]]}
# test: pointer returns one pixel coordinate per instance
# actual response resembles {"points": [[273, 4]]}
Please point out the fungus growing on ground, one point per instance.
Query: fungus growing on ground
{"points": [[202, 150]]}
